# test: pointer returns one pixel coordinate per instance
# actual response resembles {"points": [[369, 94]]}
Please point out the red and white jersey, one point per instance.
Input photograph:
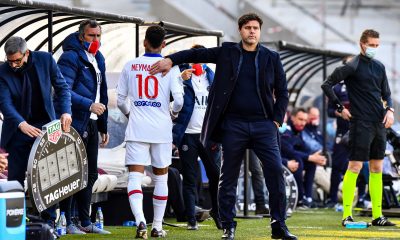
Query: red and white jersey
{"points": [[149, 98]]}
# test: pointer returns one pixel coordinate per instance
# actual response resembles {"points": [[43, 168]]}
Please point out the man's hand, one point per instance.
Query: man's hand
{"points": [[173, 114], [163, 66], [66, 121], [293, 165], [277, 124], [97, 108], [345, 114], [3, 161], [29, 130], [388, 120], [105, 138], [317, 158], [187, 74]]}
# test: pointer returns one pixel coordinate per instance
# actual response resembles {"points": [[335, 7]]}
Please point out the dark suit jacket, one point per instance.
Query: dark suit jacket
{"points": [[10, 92], [271, 83]]}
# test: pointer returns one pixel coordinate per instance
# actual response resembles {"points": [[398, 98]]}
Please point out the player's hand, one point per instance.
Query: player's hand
{"points": [[293, 165], [97, 108], [162, 66], [29, 130], [187, 74], [3, 161], [317, 158], [346, 115], [388, 120], [277, 124], [105, 138], [66, 121]]}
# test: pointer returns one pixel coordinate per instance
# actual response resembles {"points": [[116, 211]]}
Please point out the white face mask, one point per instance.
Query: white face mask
{"points": [[370, 52]]}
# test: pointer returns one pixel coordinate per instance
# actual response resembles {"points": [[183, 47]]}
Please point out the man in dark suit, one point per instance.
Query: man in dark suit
{"points": [[247, 104], [26, 82]]}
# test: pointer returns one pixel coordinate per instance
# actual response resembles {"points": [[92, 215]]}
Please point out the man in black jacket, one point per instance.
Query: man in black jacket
{"points": [[247, 104], [370, 113]]}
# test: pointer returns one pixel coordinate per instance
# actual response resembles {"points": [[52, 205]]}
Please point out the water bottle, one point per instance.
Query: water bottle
{"points": [[99, 219], [62, 225], [338, 208], [357, 225]]}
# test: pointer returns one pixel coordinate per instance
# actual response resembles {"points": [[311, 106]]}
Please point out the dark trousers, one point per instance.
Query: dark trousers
{"points": [[189, 151], [340, 161], [308, 179], [19, 148], [83, 197], [262, 137], [257, 179], [175, 196]]}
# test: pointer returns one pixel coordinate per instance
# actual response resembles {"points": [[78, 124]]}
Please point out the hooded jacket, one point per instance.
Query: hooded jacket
{"points": [[80, 76]]}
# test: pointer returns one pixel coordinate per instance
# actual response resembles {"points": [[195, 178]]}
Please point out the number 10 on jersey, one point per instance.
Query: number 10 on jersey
{"points": [[145, 88]]}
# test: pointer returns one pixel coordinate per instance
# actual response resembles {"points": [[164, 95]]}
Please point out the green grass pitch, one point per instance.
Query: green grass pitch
{"points": [[318, 224]]}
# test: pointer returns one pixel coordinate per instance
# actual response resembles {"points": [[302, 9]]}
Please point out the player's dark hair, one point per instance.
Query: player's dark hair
{"points": [[155, 36]]}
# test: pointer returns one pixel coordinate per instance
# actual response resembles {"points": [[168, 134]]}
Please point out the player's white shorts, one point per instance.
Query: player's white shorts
{"points": [[155, 154]]}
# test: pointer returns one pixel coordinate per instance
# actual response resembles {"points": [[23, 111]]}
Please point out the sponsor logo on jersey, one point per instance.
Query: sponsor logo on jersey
{"points": [[147, 104]]}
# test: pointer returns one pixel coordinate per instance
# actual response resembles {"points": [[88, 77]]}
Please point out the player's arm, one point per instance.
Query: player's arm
{"points": [[177, 91], [122, 93]]}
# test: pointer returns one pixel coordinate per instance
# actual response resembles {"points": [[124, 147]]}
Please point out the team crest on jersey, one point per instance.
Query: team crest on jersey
{"points": [[185, 147]]}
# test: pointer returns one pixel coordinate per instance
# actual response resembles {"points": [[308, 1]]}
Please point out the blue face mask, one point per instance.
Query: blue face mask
{"points": [[283, 128], [370, 52]]}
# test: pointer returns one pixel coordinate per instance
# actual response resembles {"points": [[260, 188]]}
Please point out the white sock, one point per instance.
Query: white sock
{"points": [[160, 197], [135, 195]]}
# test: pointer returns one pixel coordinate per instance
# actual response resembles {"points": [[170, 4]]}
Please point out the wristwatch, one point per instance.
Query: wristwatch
{"points": [[339, 108]]}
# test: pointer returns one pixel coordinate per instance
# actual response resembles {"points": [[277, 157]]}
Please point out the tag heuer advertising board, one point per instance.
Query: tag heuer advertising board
{"points": [[57, 166]]}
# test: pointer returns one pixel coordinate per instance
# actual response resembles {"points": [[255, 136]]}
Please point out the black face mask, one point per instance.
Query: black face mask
{"points": [[19, 69]]}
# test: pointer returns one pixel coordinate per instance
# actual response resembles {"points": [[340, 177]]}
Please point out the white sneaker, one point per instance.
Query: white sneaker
{"points": [[72, 229], [93, 229]]}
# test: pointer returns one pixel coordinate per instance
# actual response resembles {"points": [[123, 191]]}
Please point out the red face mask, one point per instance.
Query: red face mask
{"points": [[198, 69], [92, 47]]}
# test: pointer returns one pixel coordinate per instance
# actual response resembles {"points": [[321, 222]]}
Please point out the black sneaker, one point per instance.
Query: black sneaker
{"points": [[280, 232], [383, 222], [158, 233], [228, 233], [192, 225], [347, 220], [261, 210], [141, 231]]}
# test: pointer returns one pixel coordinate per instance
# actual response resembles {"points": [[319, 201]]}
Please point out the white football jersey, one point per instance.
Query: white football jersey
{"points": [[149, 98]]}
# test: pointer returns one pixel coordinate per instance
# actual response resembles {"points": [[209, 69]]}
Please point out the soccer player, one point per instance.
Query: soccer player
{"points": [[149, 132]]}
